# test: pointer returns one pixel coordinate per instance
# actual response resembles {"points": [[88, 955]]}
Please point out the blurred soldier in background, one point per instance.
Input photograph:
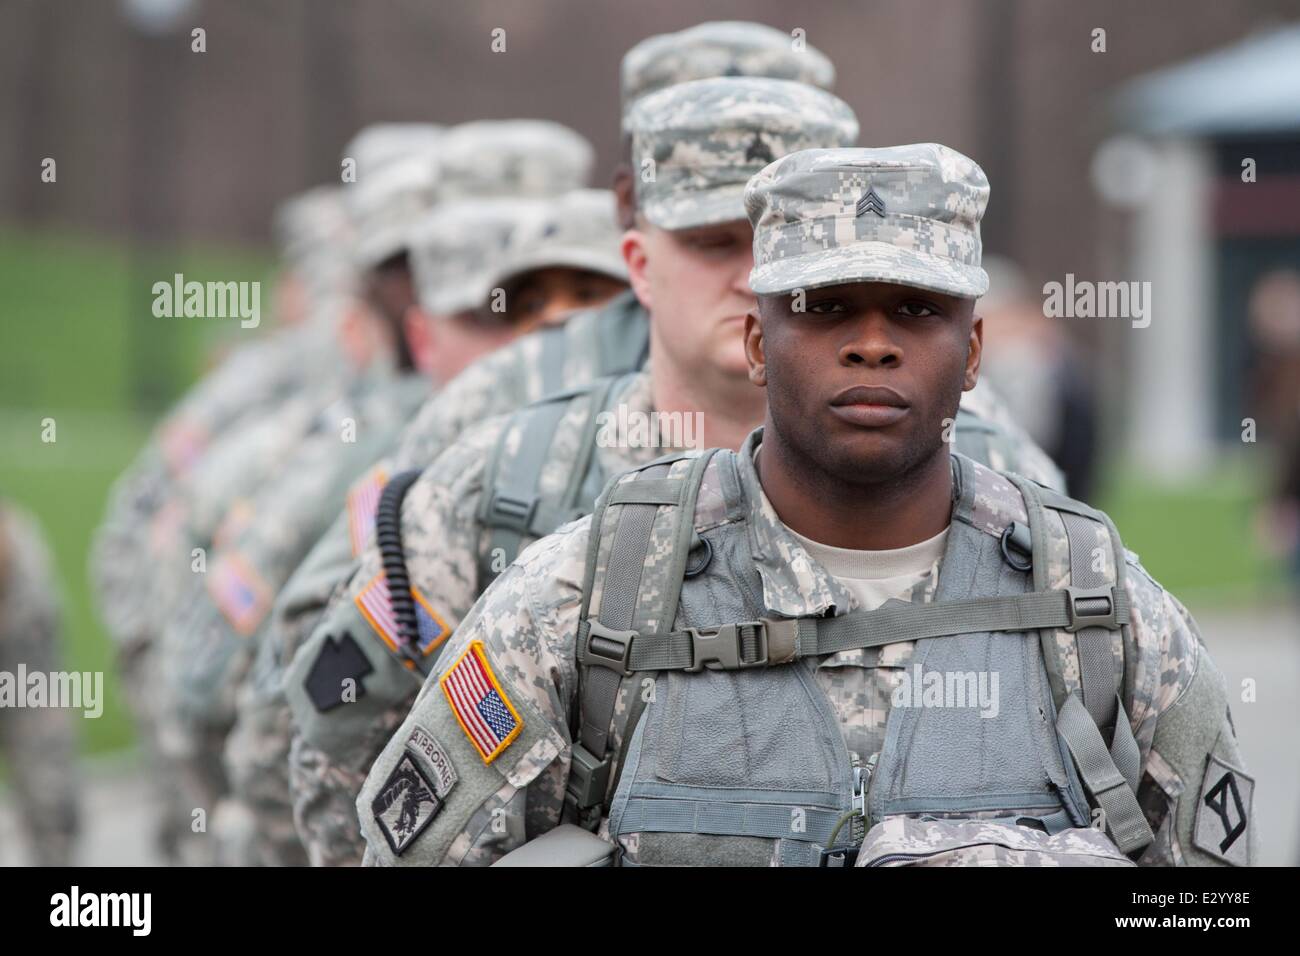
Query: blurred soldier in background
{"points": [[144, 518], [281, 472], [569, 246], [1274, 315], [38, 743], [1040, 373]]}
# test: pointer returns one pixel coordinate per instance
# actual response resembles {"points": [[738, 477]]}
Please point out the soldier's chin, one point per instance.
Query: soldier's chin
{"points": [[869, 456]]}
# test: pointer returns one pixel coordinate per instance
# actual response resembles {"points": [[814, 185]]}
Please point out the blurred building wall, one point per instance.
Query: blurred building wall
{"points": [[153, 139]]}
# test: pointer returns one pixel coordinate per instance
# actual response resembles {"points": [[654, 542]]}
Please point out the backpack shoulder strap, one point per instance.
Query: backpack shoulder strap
{"points": [[640, 537], [1076, 548], [515, 505], [623, 336]]}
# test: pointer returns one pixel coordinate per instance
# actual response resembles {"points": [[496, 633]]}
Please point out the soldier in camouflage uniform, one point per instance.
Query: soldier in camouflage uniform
{"points": [[39, 744], [731, 661], [464, 232], [144, 519]]}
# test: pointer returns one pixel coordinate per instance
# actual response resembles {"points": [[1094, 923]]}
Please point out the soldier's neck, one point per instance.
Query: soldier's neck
{"points": [[729, 407], [897, 513]]}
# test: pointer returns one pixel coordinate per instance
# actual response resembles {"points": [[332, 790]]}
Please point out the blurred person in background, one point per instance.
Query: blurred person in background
{"points": [[38, 743], [1040, 373], [1274, 310], [556, 255]]}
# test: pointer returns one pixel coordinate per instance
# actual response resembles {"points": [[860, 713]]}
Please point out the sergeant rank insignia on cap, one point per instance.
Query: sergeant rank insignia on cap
{"points": [[376, 607], [481, 707], [871, 202]]}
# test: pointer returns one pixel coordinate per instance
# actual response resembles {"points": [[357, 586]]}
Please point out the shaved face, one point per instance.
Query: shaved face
{"points": [[864, 381]]}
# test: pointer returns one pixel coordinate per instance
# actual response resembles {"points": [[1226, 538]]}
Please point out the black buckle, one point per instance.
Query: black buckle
{"points": [[515, 514], [1016, 537], [719, 648], [607, 647], [1084, 616], [588, 778], [845, 854]]}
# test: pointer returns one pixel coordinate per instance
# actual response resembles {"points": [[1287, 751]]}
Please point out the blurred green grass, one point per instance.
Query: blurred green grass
{"points": [[1198, 539], [79, 344]]}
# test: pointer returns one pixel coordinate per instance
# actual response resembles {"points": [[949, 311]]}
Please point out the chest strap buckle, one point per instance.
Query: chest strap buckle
{"points": [[728, 647]]}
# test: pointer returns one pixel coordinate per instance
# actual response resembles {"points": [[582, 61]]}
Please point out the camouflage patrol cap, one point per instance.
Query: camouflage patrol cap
{"points": [[387, 202], [459, 247], [379, 144], [578, 230], [909, 215], [304, 223], [513, 158], [720, 48], [706, 138]]}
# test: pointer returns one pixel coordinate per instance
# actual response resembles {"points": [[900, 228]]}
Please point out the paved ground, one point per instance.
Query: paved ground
{"points": [[1262, 645]]}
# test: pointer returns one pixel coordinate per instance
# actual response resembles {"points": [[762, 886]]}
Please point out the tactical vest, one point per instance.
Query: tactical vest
{"points": [[516, 508], [740, 758]]}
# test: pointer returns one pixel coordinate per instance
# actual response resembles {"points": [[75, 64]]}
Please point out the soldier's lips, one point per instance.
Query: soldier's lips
{"points": [[869, 406]]}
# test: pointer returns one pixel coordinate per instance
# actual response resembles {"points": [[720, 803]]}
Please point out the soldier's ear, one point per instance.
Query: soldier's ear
{"points": [[974, 352], [637, 259], [625, 195], [421, 338], [754, 349]]}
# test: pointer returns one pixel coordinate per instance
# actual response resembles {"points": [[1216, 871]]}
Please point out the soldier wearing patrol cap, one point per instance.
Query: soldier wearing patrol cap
{"points": [[457, 252], [144, 516], [736, 657]]}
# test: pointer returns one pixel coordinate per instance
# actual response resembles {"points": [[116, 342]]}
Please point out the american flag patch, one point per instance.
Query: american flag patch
{"points": [[363, 503], [374, 604], [239, 593], [480, 705]]}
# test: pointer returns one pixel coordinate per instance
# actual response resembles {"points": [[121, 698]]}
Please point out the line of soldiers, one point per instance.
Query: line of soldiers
{"points": [[385, 590]]}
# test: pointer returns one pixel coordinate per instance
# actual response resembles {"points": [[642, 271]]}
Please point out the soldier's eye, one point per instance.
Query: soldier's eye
{"points": [[917, 310], [825, 307]]}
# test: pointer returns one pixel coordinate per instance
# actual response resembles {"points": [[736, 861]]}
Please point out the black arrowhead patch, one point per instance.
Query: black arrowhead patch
{"points": [[1223, 813], [339, 659], [759, 151], [871, 202]]}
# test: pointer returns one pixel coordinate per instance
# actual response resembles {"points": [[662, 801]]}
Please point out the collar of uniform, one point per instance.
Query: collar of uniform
{"points": [[794, 585], [621, 456]]}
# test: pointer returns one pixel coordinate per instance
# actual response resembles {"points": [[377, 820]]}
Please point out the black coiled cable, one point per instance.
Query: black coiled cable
{"points": [[388, 532]]}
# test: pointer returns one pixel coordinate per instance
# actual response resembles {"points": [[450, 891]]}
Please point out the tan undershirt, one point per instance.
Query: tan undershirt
{"points": [[873, 577]]}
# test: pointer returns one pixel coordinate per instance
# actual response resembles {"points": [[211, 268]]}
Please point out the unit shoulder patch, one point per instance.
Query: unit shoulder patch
{"points": [[339, 660], [482, 709], [1223, 813], [406, 804]]}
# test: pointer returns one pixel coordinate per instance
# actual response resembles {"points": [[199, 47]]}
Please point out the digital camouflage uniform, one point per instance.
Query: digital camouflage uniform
{"points": [[144, 521], [719, 765], [455, 252], [38, 744]]}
